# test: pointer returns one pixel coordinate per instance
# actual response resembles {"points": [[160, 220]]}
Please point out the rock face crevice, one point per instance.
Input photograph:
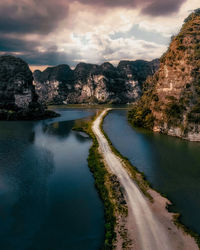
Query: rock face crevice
{"points": [[90, 83], [18, 98], [171, 103]]}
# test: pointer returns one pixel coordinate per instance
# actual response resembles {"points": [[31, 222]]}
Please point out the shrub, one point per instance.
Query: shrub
{"points": [[155, 98], [181, 47], [141, 116], [174, 112]]}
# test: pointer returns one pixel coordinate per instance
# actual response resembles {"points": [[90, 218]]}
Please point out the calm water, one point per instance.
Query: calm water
{"points": [[171, 165], [47, 194]]}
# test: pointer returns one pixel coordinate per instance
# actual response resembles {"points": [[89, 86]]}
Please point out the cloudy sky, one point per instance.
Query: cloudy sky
{"points": [[51, 32]]}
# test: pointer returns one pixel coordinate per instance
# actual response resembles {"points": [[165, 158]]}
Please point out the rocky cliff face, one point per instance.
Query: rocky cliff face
{"points": [[18, 99], [138, 70], [53, 83], [90, 83], [171, 103]]}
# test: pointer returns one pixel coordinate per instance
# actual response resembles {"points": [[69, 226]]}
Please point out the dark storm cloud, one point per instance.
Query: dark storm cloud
{"points": [[43, 16], [33, 16], [19, 18], [49, 57], [28, 50], [149, 7], [162, 7], [8, 44], [22, 17], [111, 3]]}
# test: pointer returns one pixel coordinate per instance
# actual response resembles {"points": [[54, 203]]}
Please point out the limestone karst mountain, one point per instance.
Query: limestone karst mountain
{"points": [[171, 103], [91, 83], [18, 99]]}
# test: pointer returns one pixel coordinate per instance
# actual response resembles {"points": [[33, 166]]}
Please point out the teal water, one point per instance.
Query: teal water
{"points": [[47, 195], [170, 164]]}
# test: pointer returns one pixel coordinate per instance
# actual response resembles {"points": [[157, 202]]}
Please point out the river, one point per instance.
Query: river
{"points": [[47, 195]]}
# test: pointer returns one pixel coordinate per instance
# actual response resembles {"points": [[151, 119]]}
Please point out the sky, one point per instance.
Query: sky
{"points": [[51, 32]]}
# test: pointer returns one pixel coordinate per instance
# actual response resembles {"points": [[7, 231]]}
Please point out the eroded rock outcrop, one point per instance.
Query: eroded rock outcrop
{"points": [[171, 103], [90, 83], [18, 99], [138, 70]]}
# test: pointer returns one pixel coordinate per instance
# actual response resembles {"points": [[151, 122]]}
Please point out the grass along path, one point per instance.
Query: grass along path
{"points": [[148, 225], [110, 192]]}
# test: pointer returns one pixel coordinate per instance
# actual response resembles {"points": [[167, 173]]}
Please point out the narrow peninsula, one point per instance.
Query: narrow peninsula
{"points": [[146, 223]]}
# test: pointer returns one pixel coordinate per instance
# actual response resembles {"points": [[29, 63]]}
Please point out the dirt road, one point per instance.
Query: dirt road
{"points": [[150, 227]]}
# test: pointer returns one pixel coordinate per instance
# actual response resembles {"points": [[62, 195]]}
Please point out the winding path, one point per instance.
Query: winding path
{"points": [[146, 230]]}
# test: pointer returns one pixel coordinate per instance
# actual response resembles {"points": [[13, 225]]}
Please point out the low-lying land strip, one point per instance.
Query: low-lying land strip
{"points": [[136, 216]]}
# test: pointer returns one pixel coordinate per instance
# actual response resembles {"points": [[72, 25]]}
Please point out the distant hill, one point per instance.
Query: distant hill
{"points": [[91, 83], [18, 99]]}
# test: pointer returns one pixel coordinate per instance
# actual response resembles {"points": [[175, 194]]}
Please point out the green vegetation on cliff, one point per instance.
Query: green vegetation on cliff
{"points": [[141, 117], [171, 98]]}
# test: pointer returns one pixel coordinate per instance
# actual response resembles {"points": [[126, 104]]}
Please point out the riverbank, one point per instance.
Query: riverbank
{"points": [[91, 106], [150, 219], [29, 115], [107, 186], [110, 191]]}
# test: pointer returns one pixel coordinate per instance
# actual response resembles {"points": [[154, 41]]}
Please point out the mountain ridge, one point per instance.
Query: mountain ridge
{"points": [[92, 83]]}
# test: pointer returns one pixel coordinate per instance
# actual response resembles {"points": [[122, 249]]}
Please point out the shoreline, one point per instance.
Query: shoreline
{"points": [[157, 204], [92, 106], [134, 172], [102, 183], [124, 235], [109, 189]]}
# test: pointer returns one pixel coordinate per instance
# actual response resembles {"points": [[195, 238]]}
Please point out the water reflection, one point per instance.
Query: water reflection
{"points": [[24, 189], [47, 194], [58, 129]]}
